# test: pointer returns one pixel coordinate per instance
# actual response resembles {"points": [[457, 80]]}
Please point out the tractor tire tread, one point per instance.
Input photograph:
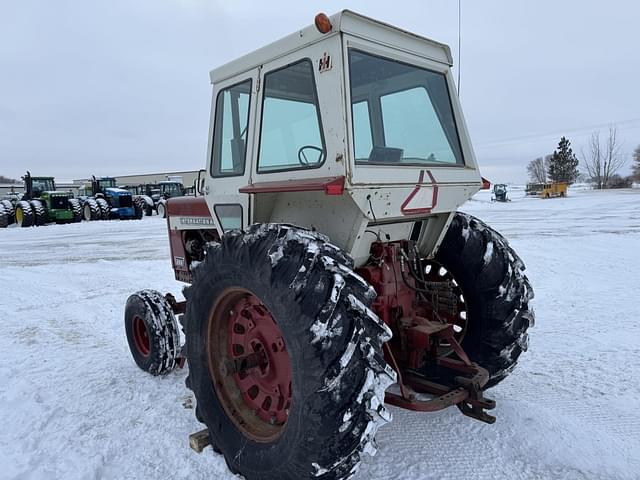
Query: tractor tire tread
{"points": [[343, 360], [492, 279], [27, 213], [74, 206], [105, 209], [4, 217], [162, 327], [90, 205], [39, 212]]}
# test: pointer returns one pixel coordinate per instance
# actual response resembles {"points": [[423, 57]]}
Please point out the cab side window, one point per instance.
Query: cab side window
{"points": [[230, 130], [291, 133]]}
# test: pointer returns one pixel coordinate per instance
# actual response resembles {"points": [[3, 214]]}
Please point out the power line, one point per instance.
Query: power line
{"points": [[620, 125]]}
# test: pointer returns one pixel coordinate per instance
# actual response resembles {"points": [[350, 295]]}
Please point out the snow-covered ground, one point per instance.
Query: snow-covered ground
{"points": [[73, 405]]}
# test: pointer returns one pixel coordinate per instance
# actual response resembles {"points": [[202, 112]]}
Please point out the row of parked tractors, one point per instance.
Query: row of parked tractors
{"points": [[41, 203]]}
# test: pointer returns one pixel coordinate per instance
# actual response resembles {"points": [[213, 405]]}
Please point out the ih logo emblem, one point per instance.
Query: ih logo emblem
{"points": [[325, 63]]}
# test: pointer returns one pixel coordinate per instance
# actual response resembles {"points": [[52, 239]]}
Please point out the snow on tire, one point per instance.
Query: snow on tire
{"points": [[496, 290], [4, 217], [74, 205], [162, 209], [105, 209], [10, 209], [91, 210], [290, 282], [39, 213], [152, 332], [24, 214]]}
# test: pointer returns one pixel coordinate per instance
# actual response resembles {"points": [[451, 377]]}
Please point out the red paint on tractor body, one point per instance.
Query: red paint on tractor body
{"points": [[183, 214], [425, 351], [189, 206], [328, 185], [434, 197]]}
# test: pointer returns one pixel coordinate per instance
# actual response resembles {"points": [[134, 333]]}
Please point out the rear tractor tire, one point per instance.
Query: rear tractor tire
{"points": [[4, 217], [24, 214], [152, 332], [39, 213], [10, 209], [285, 356], [496, 294], [74, 205], [105, 209], [91, 211], [138, 211]]}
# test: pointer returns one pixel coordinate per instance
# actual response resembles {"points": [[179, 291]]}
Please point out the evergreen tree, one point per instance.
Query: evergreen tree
{"points": [[636, 164], [563, 165]]}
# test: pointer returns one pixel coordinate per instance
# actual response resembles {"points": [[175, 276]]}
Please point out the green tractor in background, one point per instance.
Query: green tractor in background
{"points": [[42, 204]]}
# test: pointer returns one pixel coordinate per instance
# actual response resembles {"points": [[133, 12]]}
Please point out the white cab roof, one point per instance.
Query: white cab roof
{"points": [[347, 22]]}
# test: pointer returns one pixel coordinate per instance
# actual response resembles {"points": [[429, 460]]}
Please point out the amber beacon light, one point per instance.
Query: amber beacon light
{"points": [[323, 24]]}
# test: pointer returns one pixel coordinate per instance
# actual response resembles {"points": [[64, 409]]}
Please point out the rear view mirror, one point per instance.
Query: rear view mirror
{"points": [[200, 183]]}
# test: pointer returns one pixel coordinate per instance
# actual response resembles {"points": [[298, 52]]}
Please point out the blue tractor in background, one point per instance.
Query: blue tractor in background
{"points": [[110, 202]]}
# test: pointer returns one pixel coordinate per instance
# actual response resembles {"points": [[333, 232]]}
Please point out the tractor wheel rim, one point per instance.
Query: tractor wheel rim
{"points": [[250, 365], [141, 336], [19, 216], [458, 314]]}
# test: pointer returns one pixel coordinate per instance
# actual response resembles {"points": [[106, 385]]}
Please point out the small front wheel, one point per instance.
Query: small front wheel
{"points": [[152, 332]]}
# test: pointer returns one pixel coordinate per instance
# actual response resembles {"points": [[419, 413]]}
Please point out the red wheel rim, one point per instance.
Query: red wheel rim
{"points": [[250, 365], [141, 336]]}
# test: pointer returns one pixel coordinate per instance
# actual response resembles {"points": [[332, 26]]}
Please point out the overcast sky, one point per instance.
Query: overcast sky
{"points": [[121, 86]]}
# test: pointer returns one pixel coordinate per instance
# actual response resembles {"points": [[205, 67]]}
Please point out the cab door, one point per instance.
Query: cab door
{"points": [[232, 125]]}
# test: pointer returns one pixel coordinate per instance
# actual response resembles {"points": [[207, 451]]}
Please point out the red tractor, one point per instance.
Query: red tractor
{"points": [[325, 257]]}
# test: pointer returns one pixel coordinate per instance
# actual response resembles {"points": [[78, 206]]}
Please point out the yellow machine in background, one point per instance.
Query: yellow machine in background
{"points": [[554, 190]]}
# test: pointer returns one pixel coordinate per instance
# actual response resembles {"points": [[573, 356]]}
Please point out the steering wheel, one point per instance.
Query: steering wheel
{"points": [[302, 156]]}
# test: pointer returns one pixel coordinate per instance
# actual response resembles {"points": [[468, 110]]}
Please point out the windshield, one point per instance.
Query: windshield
{"points": [[172, 189], [106, 183], [40, 185], [401, 114]]}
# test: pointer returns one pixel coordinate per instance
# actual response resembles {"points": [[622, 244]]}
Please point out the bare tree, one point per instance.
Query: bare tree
{"points": [[537, 170], [636, 163], [603, 160]]}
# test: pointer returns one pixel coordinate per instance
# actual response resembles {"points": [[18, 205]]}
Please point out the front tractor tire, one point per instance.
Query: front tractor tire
{"points": [[161, 208], [90, 210], [76, 208], [285, 356], [496, 294], [152, 332], [105, 209], [24, 214]]}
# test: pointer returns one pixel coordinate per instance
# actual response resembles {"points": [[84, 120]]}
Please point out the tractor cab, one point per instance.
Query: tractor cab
{"points": [[361, 119], [101, 185], [171, 189], [36, 186]]}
